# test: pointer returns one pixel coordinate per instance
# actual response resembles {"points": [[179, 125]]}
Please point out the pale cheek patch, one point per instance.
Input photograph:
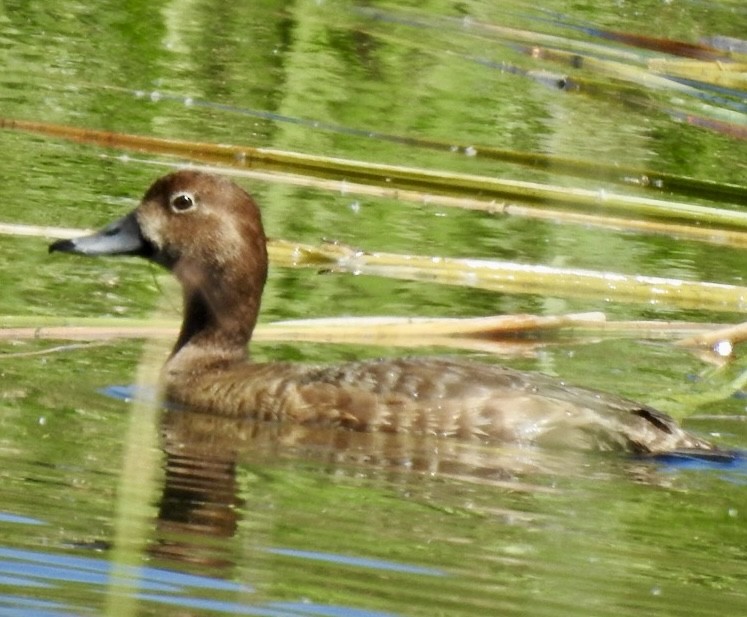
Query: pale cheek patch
{"points": [[152, 223]]}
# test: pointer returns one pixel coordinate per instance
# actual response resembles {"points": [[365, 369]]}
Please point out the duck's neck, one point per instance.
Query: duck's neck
{"points": [[218, 321]]}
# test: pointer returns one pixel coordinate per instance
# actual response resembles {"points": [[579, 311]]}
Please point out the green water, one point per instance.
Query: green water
{"points": [[277, 522]]}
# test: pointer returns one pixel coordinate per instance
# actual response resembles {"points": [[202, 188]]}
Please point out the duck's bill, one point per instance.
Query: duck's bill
{"points": [[122, 237]]}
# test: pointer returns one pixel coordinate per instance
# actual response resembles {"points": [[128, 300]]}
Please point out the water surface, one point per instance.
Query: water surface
{"points": [[108, 508]]}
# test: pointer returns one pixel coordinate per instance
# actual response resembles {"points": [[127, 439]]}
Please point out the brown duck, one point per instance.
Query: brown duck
{"points": [[208, 232]]}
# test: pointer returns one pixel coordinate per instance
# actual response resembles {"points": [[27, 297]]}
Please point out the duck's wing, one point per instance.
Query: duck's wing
{"points": [[467, 399]]}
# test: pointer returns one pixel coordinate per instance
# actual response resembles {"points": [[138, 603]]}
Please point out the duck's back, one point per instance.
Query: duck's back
{"points": [[448, 397]]}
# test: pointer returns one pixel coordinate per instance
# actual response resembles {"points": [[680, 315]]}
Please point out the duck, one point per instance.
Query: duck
{"points": [[207, 230]]}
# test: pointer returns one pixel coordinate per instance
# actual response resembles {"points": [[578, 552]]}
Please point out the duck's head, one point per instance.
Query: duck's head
{"points": [[208, 232], [185, 216]]}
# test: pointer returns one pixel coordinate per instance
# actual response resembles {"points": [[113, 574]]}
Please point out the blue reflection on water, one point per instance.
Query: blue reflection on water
{"points": [[22, 569], [129, 393], [7, 517], [98, 571], [14, 606], [378, 564], [17, 581], [273, 609], [730, 460]]}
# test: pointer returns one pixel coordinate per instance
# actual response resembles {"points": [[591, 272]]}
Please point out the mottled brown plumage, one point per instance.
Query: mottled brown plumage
{"points": [[208, 232]]}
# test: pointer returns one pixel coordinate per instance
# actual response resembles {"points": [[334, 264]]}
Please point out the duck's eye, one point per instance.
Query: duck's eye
{"points": [[181, 202]]}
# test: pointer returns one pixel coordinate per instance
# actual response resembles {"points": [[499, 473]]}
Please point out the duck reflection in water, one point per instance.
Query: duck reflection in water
{"points": [[221, 472], [209, 459]]}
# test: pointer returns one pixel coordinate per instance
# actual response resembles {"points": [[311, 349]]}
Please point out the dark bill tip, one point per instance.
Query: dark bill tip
{"points": [[62, 246], [122, 237]]}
